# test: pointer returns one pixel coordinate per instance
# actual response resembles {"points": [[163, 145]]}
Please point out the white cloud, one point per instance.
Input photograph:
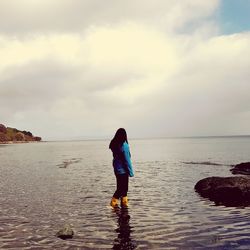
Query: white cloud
{"points": [[156, 69], [26, 16]]}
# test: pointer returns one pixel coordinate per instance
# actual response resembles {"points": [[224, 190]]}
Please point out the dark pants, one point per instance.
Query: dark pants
{"points": [[121, 186]]}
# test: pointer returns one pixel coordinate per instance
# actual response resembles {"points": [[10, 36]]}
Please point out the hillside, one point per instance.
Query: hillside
{"points": [[8, 135]]}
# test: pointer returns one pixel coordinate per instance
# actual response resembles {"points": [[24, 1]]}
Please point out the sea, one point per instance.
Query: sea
{"points": [[45, 185]]}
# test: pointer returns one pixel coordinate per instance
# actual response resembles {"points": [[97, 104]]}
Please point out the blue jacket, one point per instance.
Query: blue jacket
{"points": [[122, 161]]}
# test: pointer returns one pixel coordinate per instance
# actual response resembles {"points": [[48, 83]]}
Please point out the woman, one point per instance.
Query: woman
{"points": [[122, 167]]}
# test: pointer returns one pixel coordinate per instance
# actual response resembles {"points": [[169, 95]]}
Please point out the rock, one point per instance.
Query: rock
{"points": [[3, 129], [66, 163], [228, 191], [66, 232], [208, 163], [242, 168], [37, 138]]}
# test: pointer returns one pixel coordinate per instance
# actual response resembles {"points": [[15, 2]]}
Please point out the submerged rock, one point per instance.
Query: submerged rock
{"points": [[242, 168], [66, 232], [208, 163], [66, 163], [228, 191]]}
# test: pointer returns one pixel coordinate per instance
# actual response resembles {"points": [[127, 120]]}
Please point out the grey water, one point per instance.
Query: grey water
{"points": [[45, 185]]}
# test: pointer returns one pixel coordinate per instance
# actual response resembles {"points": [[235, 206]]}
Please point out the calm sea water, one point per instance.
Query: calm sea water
{"points": [[38, 196]]}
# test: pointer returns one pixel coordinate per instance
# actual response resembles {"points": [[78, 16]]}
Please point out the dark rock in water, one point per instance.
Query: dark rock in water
{"points": [[242, 168], [66, 163], [228, 191], [66, 232], [202, 163]]}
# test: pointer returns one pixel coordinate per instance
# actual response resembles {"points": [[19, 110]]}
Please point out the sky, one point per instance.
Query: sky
{"points": [[75, 69]]}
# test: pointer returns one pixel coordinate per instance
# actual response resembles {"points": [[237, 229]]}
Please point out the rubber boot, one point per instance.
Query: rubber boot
{"points": [[114, 202], [124, 201]]}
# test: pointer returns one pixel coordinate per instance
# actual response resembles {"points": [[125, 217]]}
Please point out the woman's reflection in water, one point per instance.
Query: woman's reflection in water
{"points": [[123, 240]]}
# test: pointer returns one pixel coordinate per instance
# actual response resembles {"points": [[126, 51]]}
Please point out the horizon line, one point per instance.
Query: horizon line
{"points": [[104, 138]]}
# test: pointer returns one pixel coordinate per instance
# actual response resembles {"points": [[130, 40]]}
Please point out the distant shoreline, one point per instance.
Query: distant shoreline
{"points": [[150, 138], [133, 138], [12, 136], [18, 142]]}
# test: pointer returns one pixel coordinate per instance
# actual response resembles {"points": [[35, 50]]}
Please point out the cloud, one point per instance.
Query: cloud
{"points": [[156, 69], [25, 16], [210, 90]]}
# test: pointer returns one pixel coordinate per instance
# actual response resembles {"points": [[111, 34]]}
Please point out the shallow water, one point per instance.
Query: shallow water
{"points": [[45, 185]]}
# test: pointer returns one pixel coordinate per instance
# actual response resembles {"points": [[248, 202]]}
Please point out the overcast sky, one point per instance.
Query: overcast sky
{"points": [[83, 68]]}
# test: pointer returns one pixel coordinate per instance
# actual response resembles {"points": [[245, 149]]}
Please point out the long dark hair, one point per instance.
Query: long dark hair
{"points": [[119, 138]]}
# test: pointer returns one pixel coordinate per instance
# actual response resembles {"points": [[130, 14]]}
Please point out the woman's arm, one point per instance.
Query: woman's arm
{"points": [[127, 159]]}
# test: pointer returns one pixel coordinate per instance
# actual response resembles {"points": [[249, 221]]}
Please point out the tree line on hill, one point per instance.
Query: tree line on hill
{"points": [[8, 134]]}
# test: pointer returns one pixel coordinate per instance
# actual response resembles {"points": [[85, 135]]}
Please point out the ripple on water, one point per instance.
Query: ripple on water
{"points": [[37, 198]]}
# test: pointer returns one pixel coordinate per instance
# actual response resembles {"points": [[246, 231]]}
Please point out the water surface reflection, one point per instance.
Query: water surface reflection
{"points": [[124, 239]]}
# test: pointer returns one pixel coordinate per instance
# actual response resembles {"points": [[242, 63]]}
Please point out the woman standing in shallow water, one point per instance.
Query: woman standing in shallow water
{"points": [[122, 167]]}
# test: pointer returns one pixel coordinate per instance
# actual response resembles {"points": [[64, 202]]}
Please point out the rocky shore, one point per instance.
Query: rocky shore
{"points": [[242, 168], [228, 191], [12, 135]]}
